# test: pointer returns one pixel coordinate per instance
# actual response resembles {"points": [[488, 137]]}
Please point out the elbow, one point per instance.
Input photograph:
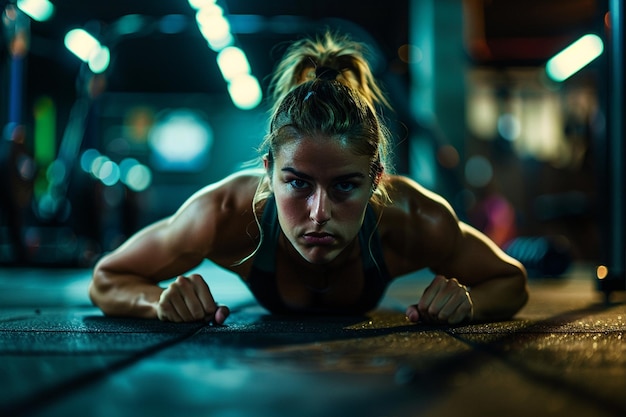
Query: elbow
{"points": [[520, 292], [522, 299], [121, 294], [95, 290], [99, 287], [509, 297]]}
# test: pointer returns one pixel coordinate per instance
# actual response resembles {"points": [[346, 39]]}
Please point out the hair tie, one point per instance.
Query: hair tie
{"points": [[326, 73]]}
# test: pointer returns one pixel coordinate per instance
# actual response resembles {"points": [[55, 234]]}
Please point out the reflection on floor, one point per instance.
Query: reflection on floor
{"points": [[563, 355]]}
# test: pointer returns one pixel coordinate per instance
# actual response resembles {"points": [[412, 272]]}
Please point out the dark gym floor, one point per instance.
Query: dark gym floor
{"points": [[563, 355]]}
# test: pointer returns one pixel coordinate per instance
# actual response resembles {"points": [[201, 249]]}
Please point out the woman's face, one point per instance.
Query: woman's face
{"points": [[321, 190]]}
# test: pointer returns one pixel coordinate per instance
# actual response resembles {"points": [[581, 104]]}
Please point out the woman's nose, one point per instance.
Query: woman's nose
{"points": [[320, 210]]}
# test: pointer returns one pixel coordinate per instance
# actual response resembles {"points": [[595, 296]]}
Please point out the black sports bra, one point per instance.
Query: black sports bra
{"points": [[262, 278]]}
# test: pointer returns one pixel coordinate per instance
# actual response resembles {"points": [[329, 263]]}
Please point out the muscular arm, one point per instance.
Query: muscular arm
{"points": [[474, 278], [497, 282], [126, 281]]}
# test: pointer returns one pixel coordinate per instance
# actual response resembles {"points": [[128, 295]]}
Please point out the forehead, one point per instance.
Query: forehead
{"points": [[320, 152]]}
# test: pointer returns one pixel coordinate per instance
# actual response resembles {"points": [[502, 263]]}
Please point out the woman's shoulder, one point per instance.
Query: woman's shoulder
{"points": [[234, 191], [412, 198], [417, 220], [243, 180], [221, 212]]}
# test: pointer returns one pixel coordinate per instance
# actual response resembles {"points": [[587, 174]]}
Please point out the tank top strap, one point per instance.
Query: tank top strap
{"points": [[265, 258], [371, 246]]}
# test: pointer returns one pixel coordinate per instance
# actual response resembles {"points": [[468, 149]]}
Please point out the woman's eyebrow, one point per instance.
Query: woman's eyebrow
{"points": [[297, 173], [344, 177]]}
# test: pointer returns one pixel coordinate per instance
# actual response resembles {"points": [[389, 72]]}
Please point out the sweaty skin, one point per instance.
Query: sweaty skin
{"points": [[321, 191]]}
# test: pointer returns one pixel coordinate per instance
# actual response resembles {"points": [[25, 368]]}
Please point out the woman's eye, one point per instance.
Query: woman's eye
{"points": [[298, 184], [345, 187]]}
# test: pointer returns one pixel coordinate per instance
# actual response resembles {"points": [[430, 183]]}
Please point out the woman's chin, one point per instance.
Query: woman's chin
{"points": [[319, 255]]}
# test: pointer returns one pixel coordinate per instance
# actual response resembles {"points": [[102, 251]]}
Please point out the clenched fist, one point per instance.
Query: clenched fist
{"points": [[189, 299], [445, 301]]}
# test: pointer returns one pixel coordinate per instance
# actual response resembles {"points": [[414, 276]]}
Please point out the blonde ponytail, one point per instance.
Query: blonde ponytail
{"points": [[337, 52]]}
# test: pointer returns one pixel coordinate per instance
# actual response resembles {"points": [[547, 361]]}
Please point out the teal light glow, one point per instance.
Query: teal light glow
{"points": [[575, 57]]}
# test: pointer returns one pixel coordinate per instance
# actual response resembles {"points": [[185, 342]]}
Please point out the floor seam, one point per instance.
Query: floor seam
{"points": [[49, 395]]}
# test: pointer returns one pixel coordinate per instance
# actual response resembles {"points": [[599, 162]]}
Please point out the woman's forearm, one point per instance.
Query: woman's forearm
{"points": [[499, 299], [128, 296]]}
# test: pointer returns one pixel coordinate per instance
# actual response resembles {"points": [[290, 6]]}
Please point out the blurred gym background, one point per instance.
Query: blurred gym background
{"points": [[114, 112]]}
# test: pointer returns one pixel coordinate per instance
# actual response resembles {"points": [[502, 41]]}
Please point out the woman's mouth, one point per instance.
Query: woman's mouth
{"points": [[319, 239]]}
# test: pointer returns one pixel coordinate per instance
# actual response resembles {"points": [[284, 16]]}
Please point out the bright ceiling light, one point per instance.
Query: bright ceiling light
{"points": [[82, 44], [244, 89], [214, 27], [232, 62], [99, 60], [199, 4], [39, 10], [245, 92], [575, 57]]}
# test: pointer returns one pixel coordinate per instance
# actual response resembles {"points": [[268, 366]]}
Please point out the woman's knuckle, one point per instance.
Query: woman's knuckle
{"points": [[197, 313]]}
